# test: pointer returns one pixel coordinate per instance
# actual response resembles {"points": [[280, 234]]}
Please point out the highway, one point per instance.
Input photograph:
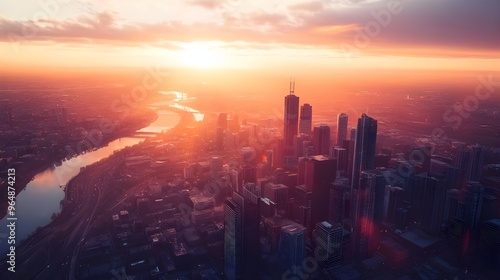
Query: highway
{"points": [[63, 238], [52, 252]]}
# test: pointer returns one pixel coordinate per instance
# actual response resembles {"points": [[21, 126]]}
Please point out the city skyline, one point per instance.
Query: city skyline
{"points": [[250, 140], [351, 203]]}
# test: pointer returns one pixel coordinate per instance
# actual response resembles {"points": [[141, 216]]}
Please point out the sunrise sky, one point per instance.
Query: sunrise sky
{"points": [[364, 34]]}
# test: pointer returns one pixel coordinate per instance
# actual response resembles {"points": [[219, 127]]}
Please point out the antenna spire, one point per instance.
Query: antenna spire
{"points": [[292, 86]]}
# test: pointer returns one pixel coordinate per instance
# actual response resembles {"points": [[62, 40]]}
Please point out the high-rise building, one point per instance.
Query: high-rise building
{"points": [[241, 238], [251, 192], [292, 245], [364, 156], [362, 214], [267, 207], [216, 165], [272, 230], [328, 241], [235, 180], [291, 119], [461, 161], [234, 123], [222, 120], [339, 207], [489, 244], [249, 173], [340, 155], [393, 200], [268, 161], [321, 140], [342, 120], [305, 124], [454, 214], [302, 208], [298, 144], [432, 200], [348, 145], [278, 153], [277, 193], [308, 148], [475, 163], [319, 174], [219, 138], [473, 195], [421, 158], [353, 134]]}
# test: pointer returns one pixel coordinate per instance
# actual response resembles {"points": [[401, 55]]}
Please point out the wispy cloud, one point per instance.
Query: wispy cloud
{"points": [[463, 27], [208, 4]]}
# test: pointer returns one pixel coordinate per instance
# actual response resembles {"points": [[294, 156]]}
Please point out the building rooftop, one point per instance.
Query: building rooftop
{"points": [[320, 158], [293, 228], [419, 238]]}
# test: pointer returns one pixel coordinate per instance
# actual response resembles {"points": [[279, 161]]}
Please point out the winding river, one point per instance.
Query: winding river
{"points": [[41, 198]]}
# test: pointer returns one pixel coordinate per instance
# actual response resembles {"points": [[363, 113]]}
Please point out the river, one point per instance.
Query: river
{"points": [[41, 198]]}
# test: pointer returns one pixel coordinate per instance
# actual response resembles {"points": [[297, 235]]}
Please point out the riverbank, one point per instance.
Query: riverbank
{"points": [[88, 192], [26, 172]]}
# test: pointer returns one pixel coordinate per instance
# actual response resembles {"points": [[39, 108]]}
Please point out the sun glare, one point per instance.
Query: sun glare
{"points": [[202, 55]]}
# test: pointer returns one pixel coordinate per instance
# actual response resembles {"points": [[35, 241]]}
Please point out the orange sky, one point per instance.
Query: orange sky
{"points": [[294, 36]]}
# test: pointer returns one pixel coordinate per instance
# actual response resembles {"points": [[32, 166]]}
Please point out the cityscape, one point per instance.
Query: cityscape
{"points": [[252, 148]]}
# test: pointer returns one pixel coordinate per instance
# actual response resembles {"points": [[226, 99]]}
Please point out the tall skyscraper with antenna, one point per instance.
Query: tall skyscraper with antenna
{"points": [[291, 119]]}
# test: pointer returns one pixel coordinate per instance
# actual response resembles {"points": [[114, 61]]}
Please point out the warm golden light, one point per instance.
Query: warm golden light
{"points": [[201, 55]]}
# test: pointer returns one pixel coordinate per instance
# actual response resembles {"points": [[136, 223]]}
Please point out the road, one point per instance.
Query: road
{"points": [[65, 237]]}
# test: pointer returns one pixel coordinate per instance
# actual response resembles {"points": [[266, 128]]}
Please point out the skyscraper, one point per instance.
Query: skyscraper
{"points": [[353, 134], [321, 140], [303, 202], [298, 144], [328, 239], [489, 243], [393, 200], [342, 120], [305, 124], [222, 120], [292, 245], [291, 119], [348, 145], [364, 151], [339, 200], [241, 238], [433, 200], [474, 193], [277, 193], [475, 163], [362, 213], [340, 155], [319, 174]]}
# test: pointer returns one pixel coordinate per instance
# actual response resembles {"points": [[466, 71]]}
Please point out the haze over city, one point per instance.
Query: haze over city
{"points": [[231, 139]]}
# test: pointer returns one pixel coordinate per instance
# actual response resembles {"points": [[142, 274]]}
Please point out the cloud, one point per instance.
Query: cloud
{"points": [[310, 7], [208, 4], [458, 27]]}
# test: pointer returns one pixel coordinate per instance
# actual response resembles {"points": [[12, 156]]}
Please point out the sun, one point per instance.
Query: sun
{"points": [[202, 55]]}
